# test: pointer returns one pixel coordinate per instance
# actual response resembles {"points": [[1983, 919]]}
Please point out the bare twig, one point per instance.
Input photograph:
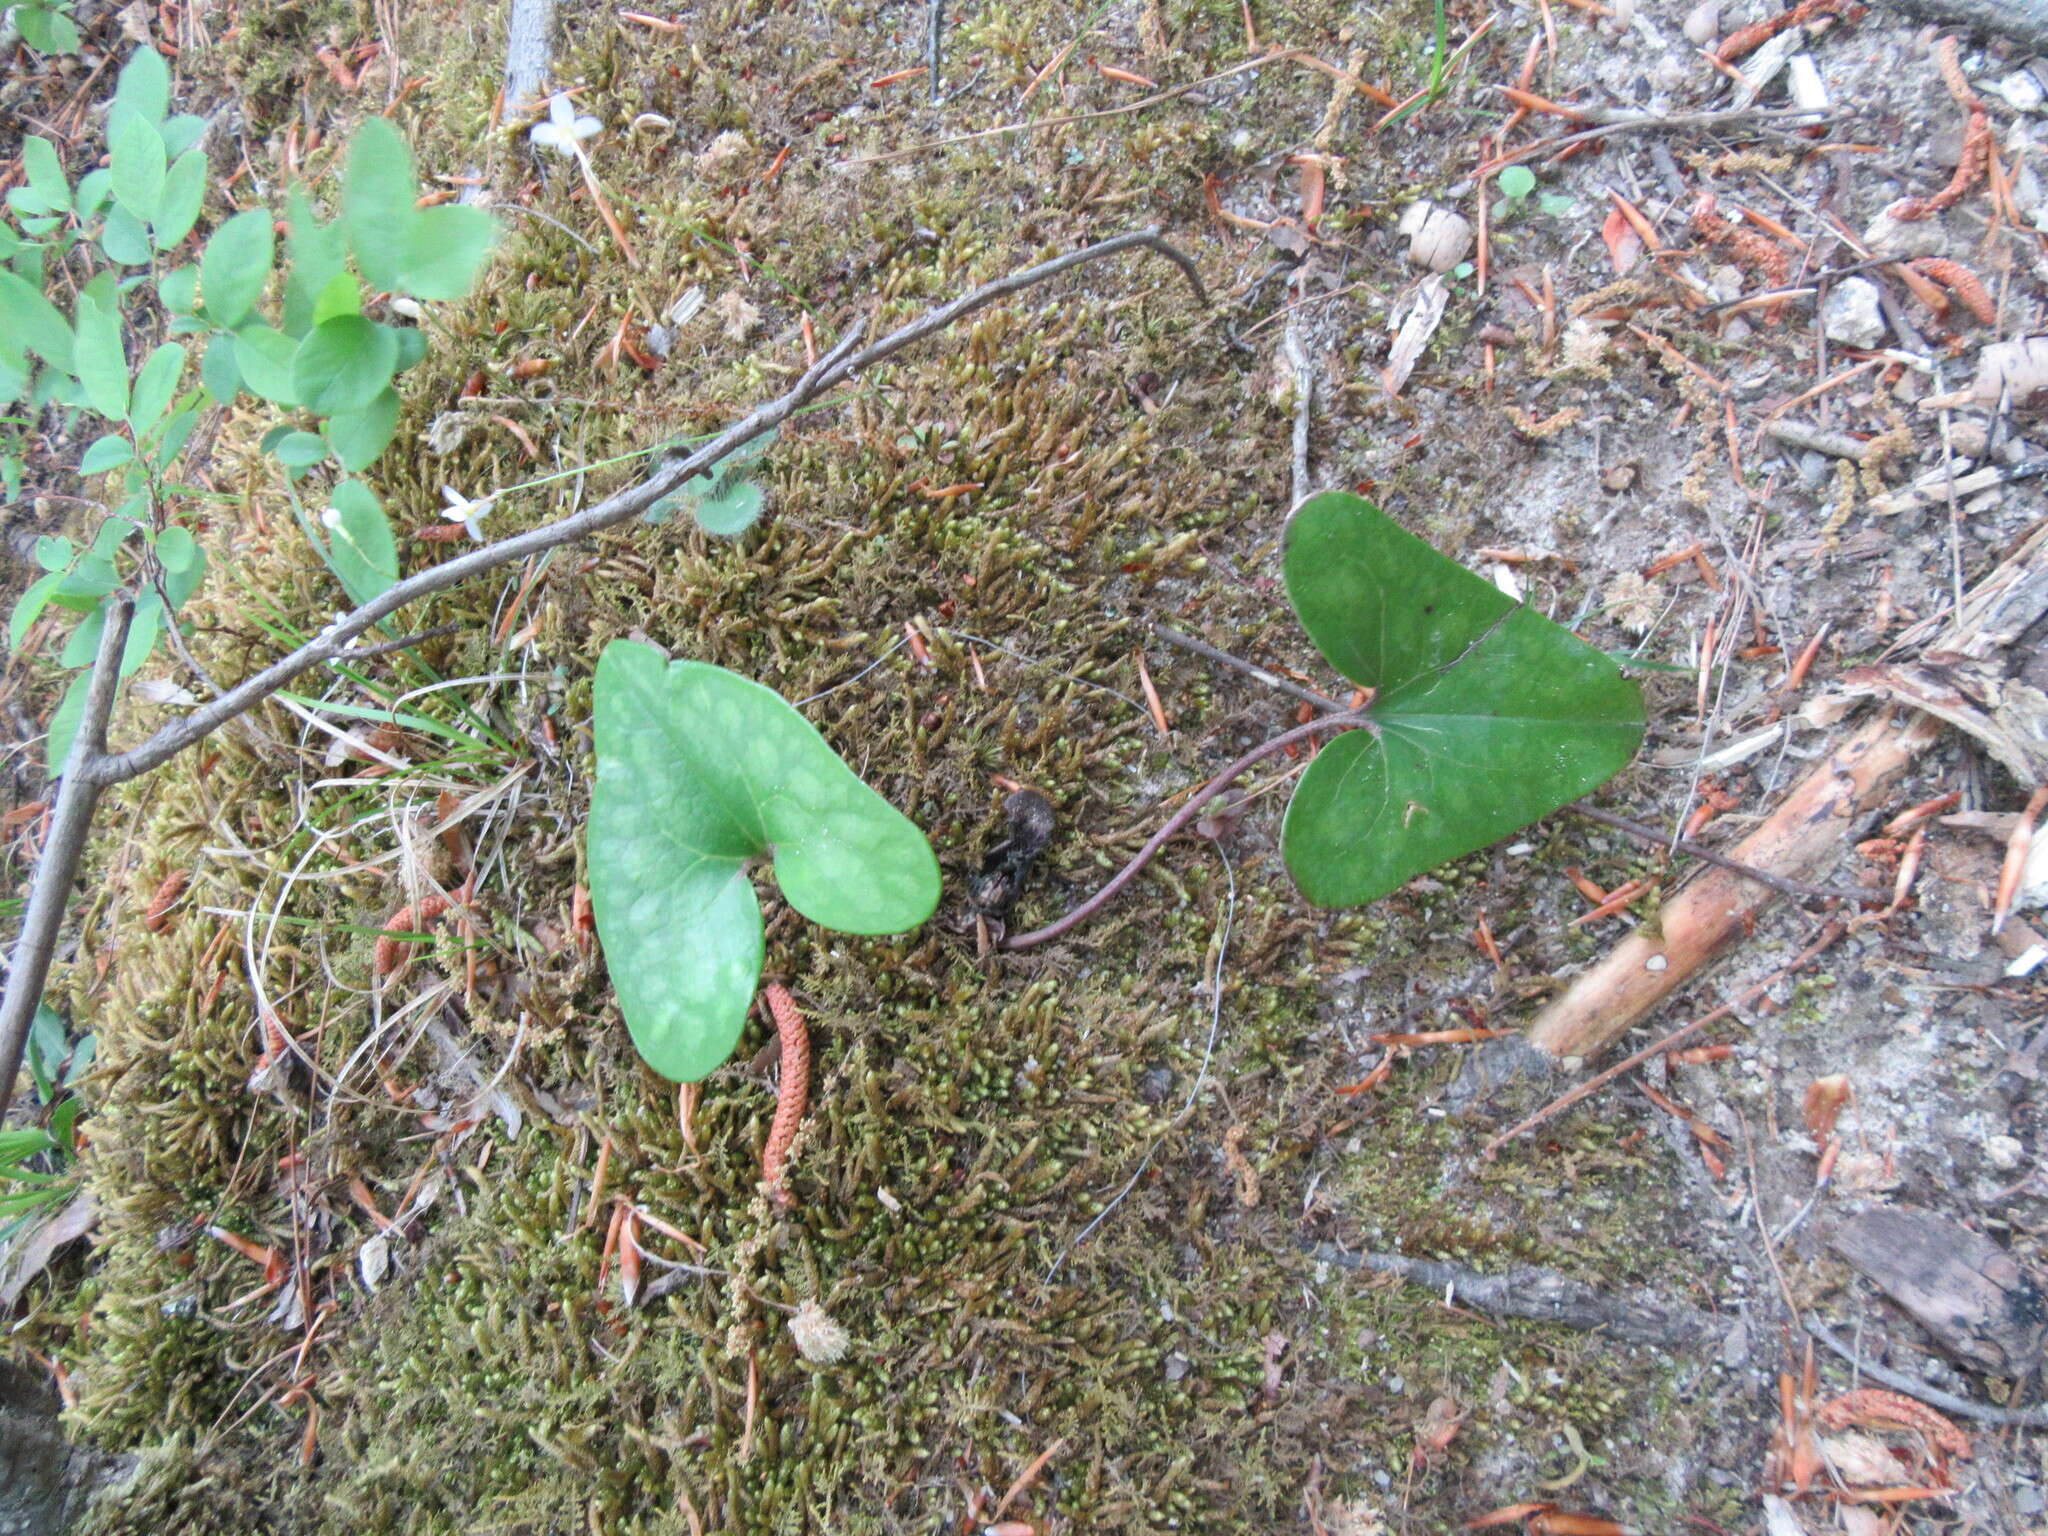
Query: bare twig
{"points": [[1180, 819], [77, 797], [1209, 652], [93, 768], [1948, 1402]]}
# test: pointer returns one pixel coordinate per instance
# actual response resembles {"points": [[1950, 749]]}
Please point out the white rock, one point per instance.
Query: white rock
{"points": [[2011, 369], [1915, 237], [1438, 239], [1853, 315], [2026, 192], [2021, 91], [2003, 1152], [1703, 22]]}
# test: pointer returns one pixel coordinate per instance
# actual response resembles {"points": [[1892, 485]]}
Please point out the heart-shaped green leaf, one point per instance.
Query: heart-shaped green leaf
{"points": [[699, 773], [1487, 715]]}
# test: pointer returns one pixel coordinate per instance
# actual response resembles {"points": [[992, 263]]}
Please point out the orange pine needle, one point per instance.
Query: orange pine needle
{"points": [[1111, 72]]}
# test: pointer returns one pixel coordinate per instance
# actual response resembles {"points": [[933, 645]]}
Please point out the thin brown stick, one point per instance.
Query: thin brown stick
{"points": [[1948, 1402], [794, 1093], [1700, 851], [96, 768], [78, 796], [1594, 1084], [1209, 652]]}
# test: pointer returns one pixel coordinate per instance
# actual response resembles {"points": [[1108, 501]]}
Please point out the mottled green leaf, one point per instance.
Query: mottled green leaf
{"points": [[700, 773]]}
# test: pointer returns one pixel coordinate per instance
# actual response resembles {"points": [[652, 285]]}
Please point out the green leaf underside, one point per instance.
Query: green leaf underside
{"points": [[701, 771], [1489, 715]]}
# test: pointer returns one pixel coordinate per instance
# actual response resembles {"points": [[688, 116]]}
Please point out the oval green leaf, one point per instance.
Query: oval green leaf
{"points": [[183, 196], [360, 549], [100, 358], [700, 772], [235, 267], [1487, 717], [377, 201], [344, 364], [138, 164], [360, 436]]}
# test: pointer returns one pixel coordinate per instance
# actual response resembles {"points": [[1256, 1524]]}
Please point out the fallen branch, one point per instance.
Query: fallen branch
{"points": [[91, 768], [1543, 1295], [1593, 1085], [1947, 1402], [1813, 825]]}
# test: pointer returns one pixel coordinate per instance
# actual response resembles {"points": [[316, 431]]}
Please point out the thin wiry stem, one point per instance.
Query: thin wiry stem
{"points": [[843, 362], [1178, 820]]}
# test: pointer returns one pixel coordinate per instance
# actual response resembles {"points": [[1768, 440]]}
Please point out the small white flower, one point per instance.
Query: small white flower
{"points": [[461, 509], [331, 518], [564, 132]]}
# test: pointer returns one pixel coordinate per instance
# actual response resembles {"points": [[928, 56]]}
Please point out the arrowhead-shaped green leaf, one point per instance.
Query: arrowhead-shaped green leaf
{"points": [[1488, 715], [700, 772]]}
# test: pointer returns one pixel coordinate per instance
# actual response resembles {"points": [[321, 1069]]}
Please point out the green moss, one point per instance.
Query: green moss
{"points": [[970, 1119]]}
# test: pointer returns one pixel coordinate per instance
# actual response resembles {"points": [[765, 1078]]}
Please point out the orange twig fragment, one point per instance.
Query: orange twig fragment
{"points": [[1531, 102], [1461, 1036], [1111, 72], [1747, 40], [1960, 281], [794, 1093], [1873, 1406], [2017, 848], [166, 897], [1152, 697]]}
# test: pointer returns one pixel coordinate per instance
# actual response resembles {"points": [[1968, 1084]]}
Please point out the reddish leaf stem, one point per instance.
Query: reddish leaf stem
{"points": [[1180, 819]]}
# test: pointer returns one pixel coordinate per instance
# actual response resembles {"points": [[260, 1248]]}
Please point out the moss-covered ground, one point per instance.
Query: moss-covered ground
{"points": [[1187, 1366]]}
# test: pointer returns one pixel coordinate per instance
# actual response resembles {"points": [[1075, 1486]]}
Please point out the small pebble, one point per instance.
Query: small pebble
{"points": [[2003, 1152], [1853, 314]]}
